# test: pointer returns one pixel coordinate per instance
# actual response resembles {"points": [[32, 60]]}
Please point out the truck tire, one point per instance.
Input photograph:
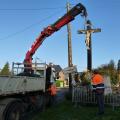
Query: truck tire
{"points": [[11, 109]]}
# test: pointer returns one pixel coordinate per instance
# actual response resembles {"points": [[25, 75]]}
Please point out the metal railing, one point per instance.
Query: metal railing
{"points": [[84, 95], [20, 67]]}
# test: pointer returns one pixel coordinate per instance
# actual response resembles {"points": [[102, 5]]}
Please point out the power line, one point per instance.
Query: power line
{"points": [[29, 9], [28, 27]]}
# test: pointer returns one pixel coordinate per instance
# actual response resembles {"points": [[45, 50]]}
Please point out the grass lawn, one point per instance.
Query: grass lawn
{"points": [[66, 111]]}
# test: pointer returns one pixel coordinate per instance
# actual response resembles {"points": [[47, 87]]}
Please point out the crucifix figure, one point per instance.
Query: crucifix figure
{"points": [[88, 31]]}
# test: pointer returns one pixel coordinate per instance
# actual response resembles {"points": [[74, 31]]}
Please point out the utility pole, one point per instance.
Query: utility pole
{"points": [[88, 32], [69, 50]]}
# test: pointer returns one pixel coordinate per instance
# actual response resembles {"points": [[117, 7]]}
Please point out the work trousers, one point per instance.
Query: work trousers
{"points": [[100, 102]]}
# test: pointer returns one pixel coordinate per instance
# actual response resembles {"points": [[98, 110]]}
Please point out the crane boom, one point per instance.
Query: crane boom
{"points": [[68, 17]]}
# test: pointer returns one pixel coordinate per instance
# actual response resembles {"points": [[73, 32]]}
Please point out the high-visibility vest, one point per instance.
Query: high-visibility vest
{"points": [[53, 90], [98, 83], [97, 79]]}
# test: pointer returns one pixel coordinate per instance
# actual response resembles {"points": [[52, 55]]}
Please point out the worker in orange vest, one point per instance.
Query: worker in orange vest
{"points": [[98, 87], [53, 91]]}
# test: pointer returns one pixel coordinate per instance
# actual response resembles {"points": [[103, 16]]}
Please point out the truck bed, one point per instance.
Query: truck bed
{"points": [[20, 85]]}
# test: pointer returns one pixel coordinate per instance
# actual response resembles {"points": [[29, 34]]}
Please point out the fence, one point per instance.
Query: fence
{"points": [[84, 95]]}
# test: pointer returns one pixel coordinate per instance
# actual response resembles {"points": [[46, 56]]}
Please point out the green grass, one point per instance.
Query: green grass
{"points": [[67, 111]]}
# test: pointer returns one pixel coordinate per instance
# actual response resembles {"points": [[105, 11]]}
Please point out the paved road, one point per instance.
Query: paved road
{"points": [[61, 92]]}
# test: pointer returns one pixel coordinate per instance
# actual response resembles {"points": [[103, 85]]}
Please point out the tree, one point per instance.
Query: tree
{"points": [[118, 69], [110, 70], [118, 66], [5, 70], [85, 78]]}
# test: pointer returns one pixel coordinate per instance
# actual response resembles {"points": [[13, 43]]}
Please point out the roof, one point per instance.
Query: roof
{"points": [[57, 68]]}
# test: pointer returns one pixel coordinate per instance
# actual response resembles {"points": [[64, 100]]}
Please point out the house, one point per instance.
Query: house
{"points": [[61, 76], [58, 69]]}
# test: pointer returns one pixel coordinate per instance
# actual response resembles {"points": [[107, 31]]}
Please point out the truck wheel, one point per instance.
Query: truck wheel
{"points": [[14, 111], [11, 109]]}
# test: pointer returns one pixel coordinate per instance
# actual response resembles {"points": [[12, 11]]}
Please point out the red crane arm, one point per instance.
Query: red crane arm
{"points": [[68, 17]]}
